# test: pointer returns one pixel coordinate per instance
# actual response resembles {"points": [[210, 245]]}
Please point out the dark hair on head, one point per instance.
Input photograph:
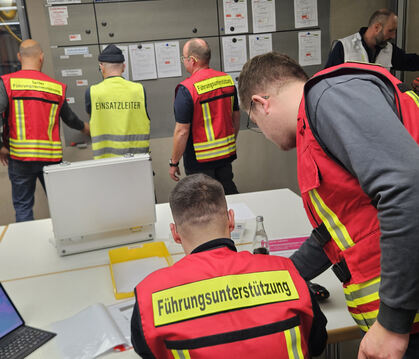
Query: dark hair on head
{"points": [[200, 49], [262, 71], [380, 16], [197, 199]]}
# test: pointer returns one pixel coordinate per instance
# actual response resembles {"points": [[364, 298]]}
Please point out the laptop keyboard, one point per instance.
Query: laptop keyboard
{"points": [[22, 342]]}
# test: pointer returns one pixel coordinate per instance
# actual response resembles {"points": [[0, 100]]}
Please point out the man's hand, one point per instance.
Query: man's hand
{"points": [[173, 171], [86, 129], [380, 343], [4, 156]]}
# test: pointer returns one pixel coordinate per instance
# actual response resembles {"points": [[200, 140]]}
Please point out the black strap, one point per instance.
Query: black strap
{"points": [[217, 97], [321, 234], [342, 271], [234, 336]]}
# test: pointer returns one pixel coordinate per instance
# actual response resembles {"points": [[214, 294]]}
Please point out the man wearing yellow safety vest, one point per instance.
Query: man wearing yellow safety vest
{"points": [[217, 302], [207, 119], [32, 104], [356, 131], [119, 122]]}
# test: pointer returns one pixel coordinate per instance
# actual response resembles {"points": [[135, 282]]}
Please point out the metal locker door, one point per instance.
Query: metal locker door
{"points": [[78, 28], [156, 20], [78, 68]]}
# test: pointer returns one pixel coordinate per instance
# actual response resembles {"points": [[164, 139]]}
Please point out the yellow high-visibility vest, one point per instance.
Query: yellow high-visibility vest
{"points": [[119, 123]]}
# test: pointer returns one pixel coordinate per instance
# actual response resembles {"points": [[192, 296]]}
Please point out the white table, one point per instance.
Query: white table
{"points": [[47, 288]]}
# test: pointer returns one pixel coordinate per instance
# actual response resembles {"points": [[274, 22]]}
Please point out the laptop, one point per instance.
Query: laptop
{"points": [[16, 339]]}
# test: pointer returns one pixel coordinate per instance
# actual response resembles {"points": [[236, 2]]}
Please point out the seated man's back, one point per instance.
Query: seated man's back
{"points": [[217, 303]]}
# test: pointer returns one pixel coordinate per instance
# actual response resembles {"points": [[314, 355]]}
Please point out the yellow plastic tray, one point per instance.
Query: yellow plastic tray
{"points": [[123, 254]]}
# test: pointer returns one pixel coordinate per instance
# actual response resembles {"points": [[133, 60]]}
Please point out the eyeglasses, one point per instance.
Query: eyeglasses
{"points": [[183, 58], [251, 125]]}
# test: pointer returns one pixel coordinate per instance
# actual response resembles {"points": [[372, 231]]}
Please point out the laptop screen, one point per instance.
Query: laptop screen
{"points": [[9, 317]]}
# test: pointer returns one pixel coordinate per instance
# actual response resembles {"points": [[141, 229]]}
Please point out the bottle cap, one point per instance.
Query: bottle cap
{"points": [[259, 219]]}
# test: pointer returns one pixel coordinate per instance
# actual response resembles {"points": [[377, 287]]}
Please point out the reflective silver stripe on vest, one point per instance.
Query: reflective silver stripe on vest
{"points": [[119, 151], [331, 221], [364, 323], [293, 339], [363, 292], [120, 138]]}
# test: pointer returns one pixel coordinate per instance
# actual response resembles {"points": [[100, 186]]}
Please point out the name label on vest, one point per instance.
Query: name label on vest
{"points": [[118, 105], [213, 84], [221, 294], [18, 84]]}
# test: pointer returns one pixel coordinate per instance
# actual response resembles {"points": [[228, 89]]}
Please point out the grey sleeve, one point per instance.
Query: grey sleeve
{"points": [[356, 118], [4, 104], [4, 99]]}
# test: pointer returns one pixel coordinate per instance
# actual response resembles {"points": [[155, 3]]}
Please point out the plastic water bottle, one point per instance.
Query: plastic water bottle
{"points": [[260, 243]]}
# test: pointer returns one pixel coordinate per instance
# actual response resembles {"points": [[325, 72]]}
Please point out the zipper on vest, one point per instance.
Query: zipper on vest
{"points": [[35, 99]]}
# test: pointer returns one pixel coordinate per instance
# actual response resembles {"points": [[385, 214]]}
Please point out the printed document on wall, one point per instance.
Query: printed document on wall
{"points": [[263, 16], [235, 16], [260, 44], [124, 50], [168, 59], [309, 48], [305, 12], [235, 77], [143, 62], [58, 15], [234, 52]]}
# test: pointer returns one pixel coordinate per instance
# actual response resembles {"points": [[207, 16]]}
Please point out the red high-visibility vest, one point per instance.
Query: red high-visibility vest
{"points": [[35, 101], [336, 204], [212, 125], [223, 304]]}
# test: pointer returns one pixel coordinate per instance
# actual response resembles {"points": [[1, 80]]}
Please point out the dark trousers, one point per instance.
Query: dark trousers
{"points": [[223, 174], [23, 176]]}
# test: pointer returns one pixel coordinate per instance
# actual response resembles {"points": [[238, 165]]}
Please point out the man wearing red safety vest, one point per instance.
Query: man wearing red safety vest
{"points": [[32, 104], [356, 132], [217, 302], [207, 119]]}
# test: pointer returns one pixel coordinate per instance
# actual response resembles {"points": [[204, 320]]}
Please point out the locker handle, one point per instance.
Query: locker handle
{"points": [[194, 30], [104, 23], [88, 31], [111, 34]]}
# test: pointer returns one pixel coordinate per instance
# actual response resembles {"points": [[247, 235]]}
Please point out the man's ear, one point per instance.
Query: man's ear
{"points": [[175, 234], [263, 101], [19, 57], [231, 221]]}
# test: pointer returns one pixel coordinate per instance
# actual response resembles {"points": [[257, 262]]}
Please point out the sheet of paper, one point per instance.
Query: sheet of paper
{"points": [[121, 313], [168, 59], [52, 2], [143, 61], [88, 333], [241, 211], [235, 77], [235, 16], [58, 15], [234, 52], [79, 50], [309, 48], [260, 44], [71, 72], [124, 49], [264, 17], [305, 12], [128, 274]]}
